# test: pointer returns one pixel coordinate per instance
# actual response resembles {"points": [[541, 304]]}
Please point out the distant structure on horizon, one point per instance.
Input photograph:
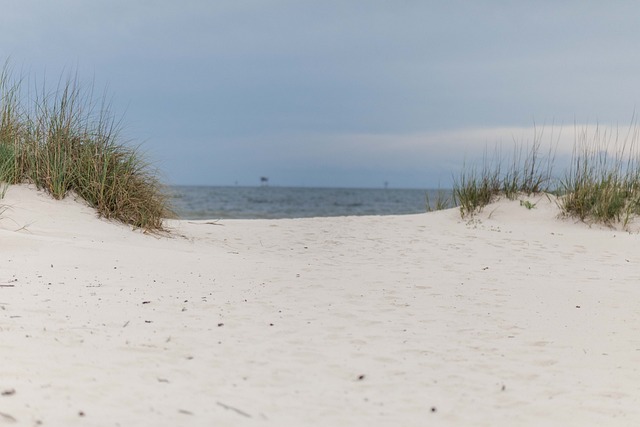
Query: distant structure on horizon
{"points": [[264, 181]]}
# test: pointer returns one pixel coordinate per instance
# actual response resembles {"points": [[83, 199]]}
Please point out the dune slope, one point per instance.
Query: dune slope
{"points": [[515, 317]]}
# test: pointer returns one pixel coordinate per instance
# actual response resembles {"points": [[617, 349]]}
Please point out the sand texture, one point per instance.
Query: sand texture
{"points": [[513, 318]]}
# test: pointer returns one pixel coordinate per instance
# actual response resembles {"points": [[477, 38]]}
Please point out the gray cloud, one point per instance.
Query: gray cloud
{"points": [[231, 80]]}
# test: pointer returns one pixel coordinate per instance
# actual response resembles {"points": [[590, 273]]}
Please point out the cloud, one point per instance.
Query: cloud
{"points": [[337, 85]]}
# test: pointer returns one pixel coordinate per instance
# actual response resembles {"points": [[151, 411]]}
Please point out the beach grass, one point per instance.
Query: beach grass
{"points": [[444, 200], [529, 171], [601, 184], [67, 141]]}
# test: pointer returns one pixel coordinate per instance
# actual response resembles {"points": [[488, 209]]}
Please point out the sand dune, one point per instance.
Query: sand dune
{"points": [[516, 317]]}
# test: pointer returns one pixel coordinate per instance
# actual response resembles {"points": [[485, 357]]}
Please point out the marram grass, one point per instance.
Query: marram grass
{"points": [[601, 184], [527, 173], [65, 141]]}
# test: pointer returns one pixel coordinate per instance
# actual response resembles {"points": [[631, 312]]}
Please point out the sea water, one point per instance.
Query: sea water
{"points": [[201, 202]]}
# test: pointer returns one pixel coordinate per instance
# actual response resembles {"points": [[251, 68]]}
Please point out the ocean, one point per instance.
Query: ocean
{"points": [[201, 202]]}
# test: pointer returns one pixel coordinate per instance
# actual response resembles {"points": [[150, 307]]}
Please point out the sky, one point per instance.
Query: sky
{"points": [[337, 93]]}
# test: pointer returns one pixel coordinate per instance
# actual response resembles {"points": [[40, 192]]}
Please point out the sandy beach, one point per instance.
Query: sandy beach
{"points": [[514, 317]]}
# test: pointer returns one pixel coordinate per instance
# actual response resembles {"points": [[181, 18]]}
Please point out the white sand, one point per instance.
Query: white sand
{"points": [[516, 318]]}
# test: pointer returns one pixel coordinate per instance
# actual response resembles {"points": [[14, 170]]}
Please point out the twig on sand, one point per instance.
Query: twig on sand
{"points": [[7, 417], [236, 410], [8, 284], [206, 223]]}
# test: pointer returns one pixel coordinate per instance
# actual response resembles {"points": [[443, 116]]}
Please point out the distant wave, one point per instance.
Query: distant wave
{"points": [[282, 202]]}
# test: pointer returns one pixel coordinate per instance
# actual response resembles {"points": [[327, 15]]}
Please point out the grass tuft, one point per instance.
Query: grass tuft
{"points": [[65, 141], [529, 172], [442, 201], [603, 186]]}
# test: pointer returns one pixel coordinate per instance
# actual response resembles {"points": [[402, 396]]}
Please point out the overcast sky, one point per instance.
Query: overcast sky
{"points": [[346, 93]]}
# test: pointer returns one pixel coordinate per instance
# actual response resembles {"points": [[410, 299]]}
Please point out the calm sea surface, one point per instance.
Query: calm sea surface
{"points": [[286, 202]]}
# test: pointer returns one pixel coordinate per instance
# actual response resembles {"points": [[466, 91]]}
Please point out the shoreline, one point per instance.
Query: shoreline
{"points": [[512, 317]]}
